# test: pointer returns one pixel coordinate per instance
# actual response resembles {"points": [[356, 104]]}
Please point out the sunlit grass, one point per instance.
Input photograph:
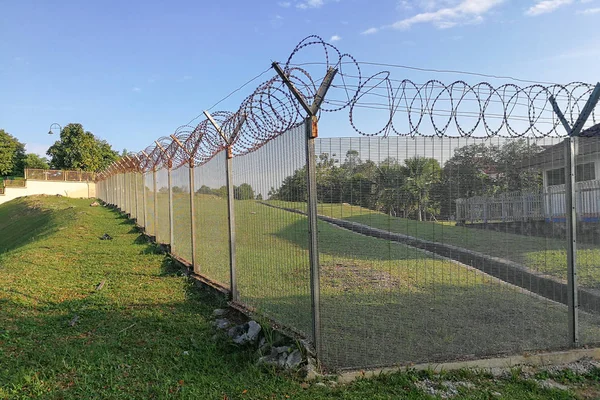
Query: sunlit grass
{"points": [[542, 254], [147, 332]]}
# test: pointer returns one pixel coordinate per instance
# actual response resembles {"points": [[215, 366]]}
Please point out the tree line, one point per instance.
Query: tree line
{"points": [[241, 192], [419, 187], [77, 149]]}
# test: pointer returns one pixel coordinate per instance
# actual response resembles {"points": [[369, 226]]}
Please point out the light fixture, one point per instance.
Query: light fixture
{"points": [[54, 126]]}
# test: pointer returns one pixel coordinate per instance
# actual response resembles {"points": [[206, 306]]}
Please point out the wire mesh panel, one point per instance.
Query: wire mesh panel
{"points": [[37, 174], [119, 191], [139, 187], [182, 237], [163, 231], [73, 176], [149, 188], [212, 222], [113, 189], [54, 175], [108, 190], [438, 249], [132, 194], [272, 261], [125, 191], [587, 205]]}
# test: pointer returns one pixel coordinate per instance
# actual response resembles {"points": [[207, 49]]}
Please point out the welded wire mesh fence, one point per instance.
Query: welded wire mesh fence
{"points": [[430, 249], [163, 231], [479, 241], [211, 218], [272, 260], [150, 203], [182, 237]]}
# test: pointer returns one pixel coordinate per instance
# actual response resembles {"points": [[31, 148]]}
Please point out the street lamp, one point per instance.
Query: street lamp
{"points": [[55, 126]]}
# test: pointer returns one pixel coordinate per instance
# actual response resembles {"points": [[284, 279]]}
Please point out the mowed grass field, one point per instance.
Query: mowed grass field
{"points": [[541, 254], [147, 333], [375, 294], [384, 303]]}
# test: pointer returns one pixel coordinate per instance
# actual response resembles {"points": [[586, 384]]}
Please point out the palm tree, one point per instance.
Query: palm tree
{"points": [[421, 174]]}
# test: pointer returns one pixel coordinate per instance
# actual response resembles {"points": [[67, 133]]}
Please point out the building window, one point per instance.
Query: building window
{"points": [[583, 172]]}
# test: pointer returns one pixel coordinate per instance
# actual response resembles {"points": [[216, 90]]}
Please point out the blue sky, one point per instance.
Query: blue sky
{"points": [[132, 71]]}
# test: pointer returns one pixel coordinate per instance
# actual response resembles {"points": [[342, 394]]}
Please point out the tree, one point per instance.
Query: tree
{"points": [[33, 161], [80, 150], [512, 177], [421, 174], [12, 155], [243, 192]]}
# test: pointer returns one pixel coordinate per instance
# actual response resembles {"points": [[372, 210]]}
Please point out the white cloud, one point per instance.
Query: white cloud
{"points": [[136, 89], [335, 38], [546, 6], [467, 11], [370, 31], [310, 4], [284, 4], [589, 11]]}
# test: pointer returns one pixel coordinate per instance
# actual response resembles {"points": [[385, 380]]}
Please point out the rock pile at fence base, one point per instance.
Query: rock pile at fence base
{"points": [[278, 351]]}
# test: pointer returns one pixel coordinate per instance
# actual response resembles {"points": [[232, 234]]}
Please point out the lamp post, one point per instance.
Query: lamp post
{"points": [[53, 127]]}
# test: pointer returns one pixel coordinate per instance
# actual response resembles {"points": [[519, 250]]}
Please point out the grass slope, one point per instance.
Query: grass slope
{"points": [[147, 333], [545, 255]]}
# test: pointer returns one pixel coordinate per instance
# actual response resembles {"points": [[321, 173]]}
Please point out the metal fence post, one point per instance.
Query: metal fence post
{"points": [[571, 222], [119, 194], [311, 129], [155, 198], [195, 267], [144, 200], [135, 192], [313, 250], [171, 217], [231, 221]]}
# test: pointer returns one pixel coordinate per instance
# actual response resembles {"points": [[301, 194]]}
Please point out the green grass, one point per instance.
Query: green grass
{"points": [[131, 336], [372, 290], [376, 294], [541, 254]]}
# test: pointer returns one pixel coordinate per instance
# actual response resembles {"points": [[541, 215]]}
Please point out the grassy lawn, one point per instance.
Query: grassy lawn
{"points": [[147, 332], [377, 294], [545, 255]]}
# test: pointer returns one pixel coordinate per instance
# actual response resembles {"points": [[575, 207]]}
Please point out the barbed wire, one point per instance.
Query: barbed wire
{"points": [[404, 107]]}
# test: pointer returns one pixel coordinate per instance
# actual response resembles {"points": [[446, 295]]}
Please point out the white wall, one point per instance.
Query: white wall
{"points": [[68, 189]]}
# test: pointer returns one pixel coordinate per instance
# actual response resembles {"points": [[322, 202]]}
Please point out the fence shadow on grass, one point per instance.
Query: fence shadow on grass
{"points": [[23, 219]]}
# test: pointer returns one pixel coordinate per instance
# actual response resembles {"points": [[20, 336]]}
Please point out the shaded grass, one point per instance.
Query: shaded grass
{"points": [[147, 333], [26, 220]]}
